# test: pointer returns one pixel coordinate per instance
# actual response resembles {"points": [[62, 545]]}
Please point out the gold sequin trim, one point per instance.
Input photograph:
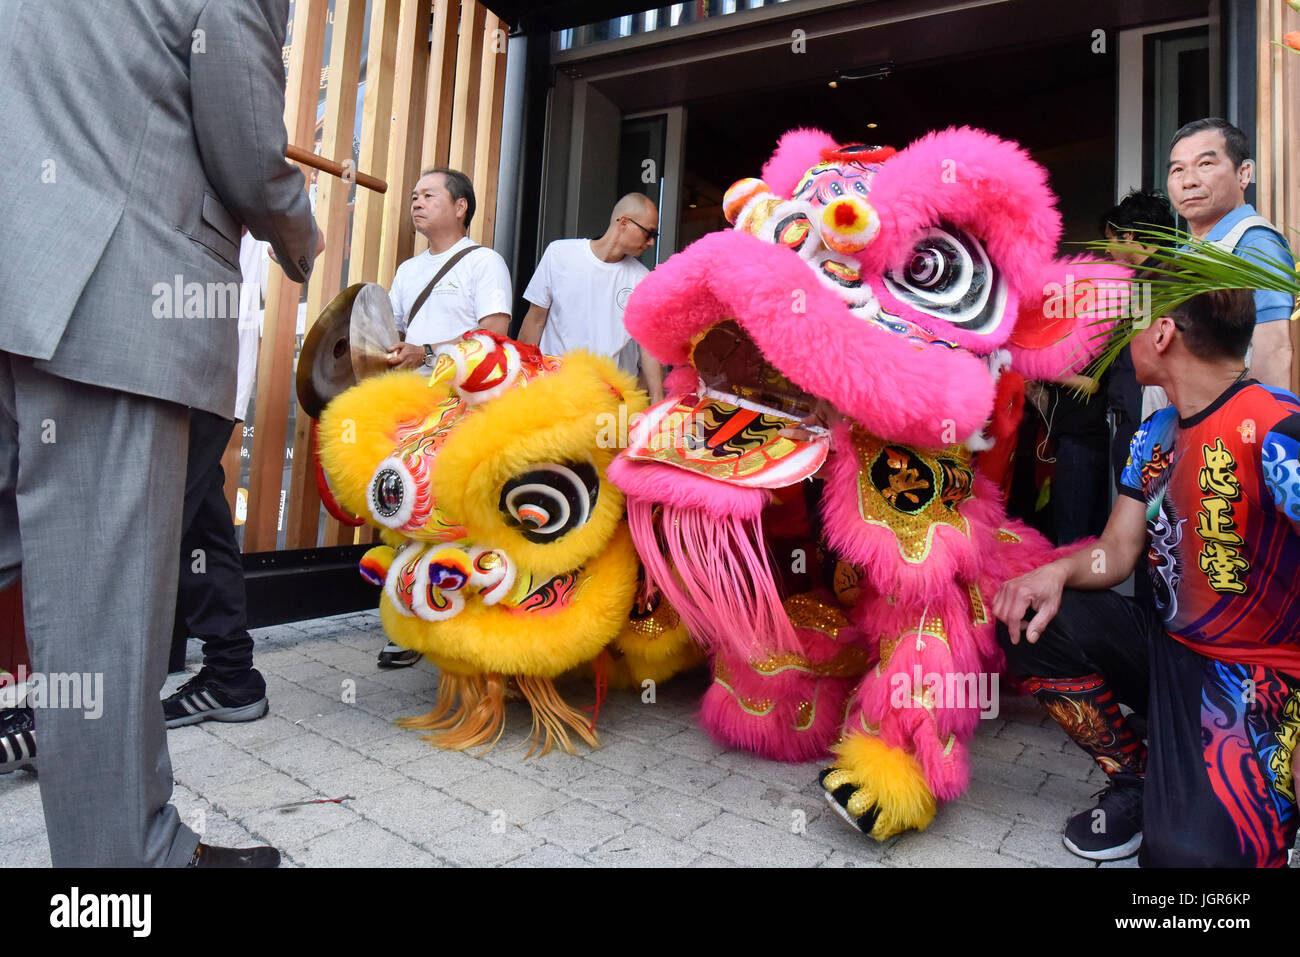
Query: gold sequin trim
{"points": [[887, 648], [664, 618], [862, 801], [806, 714], [979, 614], [837, 779], [849, 663], [810, 611], [758, 707], [1007, 537]]}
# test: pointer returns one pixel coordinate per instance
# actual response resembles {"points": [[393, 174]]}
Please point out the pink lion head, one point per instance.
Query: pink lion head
{"points": [[895, 285]]}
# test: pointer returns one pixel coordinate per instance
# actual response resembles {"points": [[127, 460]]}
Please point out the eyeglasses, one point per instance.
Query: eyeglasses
{"points": [[650, 234]]}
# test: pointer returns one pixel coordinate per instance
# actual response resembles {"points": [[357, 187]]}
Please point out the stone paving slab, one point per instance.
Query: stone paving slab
{"points": [[658, 792]]}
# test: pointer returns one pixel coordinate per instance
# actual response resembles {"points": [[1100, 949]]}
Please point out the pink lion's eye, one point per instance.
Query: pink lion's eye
{"points": [[949, 276]]}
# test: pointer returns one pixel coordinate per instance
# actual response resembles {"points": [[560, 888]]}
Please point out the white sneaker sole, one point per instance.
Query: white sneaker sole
{"points": [[1118, 853], [248, 712]]}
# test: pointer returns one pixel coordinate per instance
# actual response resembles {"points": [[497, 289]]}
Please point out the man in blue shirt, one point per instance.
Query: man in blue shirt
{"points": [[1209, 170]]}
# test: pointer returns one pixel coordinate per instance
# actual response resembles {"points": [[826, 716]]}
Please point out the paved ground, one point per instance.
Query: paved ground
{"points": [[657, 792]]}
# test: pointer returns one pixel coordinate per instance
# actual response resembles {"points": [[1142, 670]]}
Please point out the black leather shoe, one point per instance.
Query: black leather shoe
{"points": [[209, 855]]}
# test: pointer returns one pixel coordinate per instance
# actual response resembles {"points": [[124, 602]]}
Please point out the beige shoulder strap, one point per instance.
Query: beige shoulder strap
{"points": [[1229, 242]]}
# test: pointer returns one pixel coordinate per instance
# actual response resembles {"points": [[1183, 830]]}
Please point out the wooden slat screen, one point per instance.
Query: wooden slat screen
{"points": [[434, 94], [1278, 126]]}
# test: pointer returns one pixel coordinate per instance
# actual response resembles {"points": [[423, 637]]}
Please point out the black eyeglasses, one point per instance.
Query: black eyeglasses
{"points": [[649, 233]]}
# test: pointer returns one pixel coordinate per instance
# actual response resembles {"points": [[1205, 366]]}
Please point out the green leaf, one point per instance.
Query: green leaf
{"points": [[1178, 269]]}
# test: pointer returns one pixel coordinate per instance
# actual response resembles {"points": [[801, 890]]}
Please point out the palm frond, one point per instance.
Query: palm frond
{"points": [[1178, 269]]}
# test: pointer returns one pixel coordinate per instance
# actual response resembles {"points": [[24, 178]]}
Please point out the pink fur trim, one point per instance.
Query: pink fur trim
{"points": [[654, 482], [796, 152], [775, 736], [681, 381], [716, 575], [972, 180]]}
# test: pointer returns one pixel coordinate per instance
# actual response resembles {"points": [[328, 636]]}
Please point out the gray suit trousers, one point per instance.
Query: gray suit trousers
{"points": [[91, 484]]}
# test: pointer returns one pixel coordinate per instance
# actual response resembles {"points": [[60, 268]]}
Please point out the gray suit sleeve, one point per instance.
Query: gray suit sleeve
{"points": [[237, 92]]}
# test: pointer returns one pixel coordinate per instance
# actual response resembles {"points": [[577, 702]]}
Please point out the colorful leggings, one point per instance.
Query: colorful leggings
{"points": [[1218, 784]]}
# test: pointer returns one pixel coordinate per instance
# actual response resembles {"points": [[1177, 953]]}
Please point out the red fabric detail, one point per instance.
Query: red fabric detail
{"points": [[842, 154], [327, 498], [600, 667], [1008, 406]]}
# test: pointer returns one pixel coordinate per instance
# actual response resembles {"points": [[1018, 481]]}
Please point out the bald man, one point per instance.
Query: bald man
{"points": [[581, 287]]}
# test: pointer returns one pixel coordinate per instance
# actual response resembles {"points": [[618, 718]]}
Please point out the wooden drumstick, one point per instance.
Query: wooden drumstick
{"points": [[345, 172]]}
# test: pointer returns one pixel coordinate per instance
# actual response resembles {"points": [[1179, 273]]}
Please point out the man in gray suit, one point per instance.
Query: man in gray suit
{"points": [[139, 135]]}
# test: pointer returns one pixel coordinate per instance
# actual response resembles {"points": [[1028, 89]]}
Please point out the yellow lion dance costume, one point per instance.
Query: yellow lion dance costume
{"points": [[507, 560]]}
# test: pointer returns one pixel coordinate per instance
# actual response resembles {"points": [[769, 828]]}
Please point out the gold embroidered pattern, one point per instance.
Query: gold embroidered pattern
{"points": [[912, 491]]}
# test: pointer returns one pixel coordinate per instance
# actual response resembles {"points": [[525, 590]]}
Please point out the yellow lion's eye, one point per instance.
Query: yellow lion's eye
{"points": [[550, 499]]}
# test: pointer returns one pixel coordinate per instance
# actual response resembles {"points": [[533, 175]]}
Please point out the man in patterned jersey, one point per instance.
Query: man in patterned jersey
{"points": [[1215, 668]]}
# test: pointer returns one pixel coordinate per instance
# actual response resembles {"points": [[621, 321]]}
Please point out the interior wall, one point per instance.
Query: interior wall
{"points": [[593, 169]]}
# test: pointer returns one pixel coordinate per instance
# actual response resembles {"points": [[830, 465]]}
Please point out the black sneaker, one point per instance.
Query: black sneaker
{"points": [[202, 698], [1112, 830], [17, 739], [395, 656]]}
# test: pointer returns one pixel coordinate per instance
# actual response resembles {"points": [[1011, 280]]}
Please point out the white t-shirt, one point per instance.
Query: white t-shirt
{"points": [[585, 297], [476, 287], [252, 294]]}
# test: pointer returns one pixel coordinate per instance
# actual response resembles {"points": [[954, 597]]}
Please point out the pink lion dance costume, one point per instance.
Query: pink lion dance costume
{"points": [[909, 291]]}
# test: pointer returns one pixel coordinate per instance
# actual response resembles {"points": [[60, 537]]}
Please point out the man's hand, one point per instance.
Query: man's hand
{"points": [[320, 245], [823, 415], [1041, 590], [406, 356]]}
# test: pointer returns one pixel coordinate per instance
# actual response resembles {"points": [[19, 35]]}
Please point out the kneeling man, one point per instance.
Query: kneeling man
{"points": [[1215, 668]]}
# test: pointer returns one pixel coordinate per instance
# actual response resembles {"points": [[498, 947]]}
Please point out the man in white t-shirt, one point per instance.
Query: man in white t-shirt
{"points": [[474, 293], [581, 287]]}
